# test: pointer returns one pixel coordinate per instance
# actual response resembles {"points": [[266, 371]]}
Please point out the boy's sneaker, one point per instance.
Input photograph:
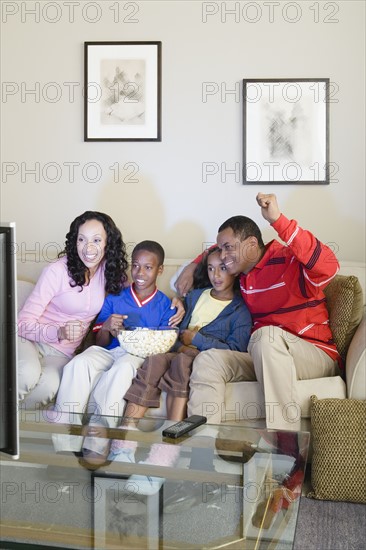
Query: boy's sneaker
{"points": [[122, 450]]}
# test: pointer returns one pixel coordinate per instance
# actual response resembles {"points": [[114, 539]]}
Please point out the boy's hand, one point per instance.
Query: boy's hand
{"points": [[269, 207], [114, 324], [179, 314]]}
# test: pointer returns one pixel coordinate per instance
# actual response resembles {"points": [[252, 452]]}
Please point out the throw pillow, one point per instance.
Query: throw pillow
{"points": [[338, 428], [345, 305]]}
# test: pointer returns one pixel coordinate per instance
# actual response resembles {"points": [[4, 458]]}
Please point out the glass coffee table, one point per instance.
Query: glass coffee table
{"points": [[215, 487]]}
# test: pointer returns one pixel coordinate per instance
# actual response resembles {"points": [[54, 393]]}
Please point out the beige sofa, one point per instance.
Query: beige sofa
{"points": [[243, 400]]}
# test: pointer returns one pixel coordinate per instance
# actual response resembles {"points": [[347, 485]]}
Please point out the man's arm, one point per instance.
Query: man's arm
{"points": [[184, 282], [269, 207], [319, 262]]}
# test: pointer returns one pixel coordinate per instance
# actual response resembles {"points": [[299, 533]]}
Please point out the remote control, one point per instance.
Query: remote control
{"points": [[184, 426]]}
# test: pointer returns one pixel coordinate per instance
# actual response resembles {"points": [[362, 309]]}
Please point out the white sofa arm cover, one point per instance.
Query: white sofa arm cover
{"points": [[356, 363]]}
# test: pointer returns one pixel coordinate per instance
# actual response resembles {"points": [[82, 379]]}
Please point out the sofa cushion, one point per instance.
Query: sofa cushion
{"points": [[330, 386], [339, 440], [345, 305]]}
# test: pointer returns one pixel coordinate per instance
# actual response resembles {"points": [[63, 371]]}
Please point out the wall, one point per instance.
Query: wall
{"points": [[201, 43]]}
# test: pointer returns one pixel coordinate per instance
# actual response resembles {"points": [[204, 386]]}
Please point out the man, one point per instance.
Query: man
{"points": [[282, 286]]}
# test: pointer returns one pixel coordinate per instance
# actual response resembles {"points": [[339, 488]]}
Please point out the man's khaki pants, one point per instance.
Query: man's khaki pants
{"points": [[276, 359]]}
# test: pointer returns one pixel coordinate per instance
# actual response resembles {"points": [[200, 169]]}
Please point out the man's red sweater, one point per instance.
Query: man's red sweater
{"points": [[286, 287]]}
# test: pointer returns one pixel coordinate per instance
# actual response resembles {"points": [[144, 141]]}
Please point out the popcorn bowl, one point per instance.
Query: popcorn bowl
{"points": [[144, 342]]}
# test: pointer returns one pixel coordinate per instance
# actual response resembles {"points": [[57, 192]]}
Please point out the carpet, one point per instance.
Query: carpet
{"points": [[326, 525]]}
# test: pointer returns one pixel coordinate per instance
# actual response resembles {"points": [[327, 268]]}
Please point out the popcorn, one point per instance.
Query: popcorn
{"points": [[145, 341]]}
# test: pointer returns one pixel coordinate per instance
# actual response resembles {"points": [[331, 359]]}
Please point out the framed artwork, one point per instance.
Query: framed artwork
{"points": [[122, 92], [286, 131], [122, 516]]}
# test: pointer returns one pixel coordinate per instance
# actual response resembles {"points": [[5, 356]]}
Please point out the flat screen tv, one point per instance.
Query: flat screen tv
{"points": [[9, 422]]}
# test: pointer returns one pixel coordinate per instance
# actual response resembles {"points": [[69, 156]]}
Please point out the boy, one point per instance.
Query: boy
{"points": [[102, 374]]}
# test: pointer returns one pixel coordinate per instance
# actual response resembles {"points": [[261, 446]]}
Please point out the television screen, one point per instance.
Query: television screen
{"points": [[9, 430]]}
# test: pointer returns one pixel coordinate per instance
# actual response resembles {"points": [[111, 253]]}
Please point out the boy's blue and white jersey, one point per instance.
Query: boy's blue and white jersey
{"points": [[153, 311]]}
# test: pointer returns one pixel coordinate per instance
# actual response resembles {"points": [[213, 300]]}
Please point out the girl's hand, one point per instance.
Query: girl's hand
{"points": [[186, 336], [114, 324], [192, 352], [179, 314], [71, 331]]}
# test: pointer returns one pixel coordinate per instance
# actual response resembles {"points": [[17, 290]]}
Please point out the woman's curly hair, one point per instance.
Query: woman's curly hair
{"points": [[115, 257]]}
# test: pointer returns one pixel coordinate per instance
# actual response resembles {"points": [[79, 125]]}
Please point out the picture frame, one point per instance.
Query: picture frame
{"points": [[286, 131], [122, 516], [122, 91]]}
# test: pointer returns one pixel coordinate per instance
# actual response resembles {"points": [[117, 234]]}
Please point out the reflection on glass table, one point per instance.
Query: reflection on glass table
{"points": [[218, 486]]}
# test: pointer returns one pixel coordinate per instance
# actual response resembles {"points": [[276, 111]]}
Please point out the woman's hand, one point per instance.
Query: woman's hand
{"points": [[71, 331], [179, 314]]}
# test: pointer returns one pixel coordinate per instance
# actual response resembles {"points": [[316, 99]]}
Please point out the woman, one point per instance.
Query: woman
{"points": [[67, 297]]}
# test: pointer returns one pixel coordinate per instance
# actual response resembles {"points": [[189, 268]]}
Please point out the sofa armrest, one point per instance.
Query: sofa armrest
{"points": [[24, 288], [356, 363]]}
